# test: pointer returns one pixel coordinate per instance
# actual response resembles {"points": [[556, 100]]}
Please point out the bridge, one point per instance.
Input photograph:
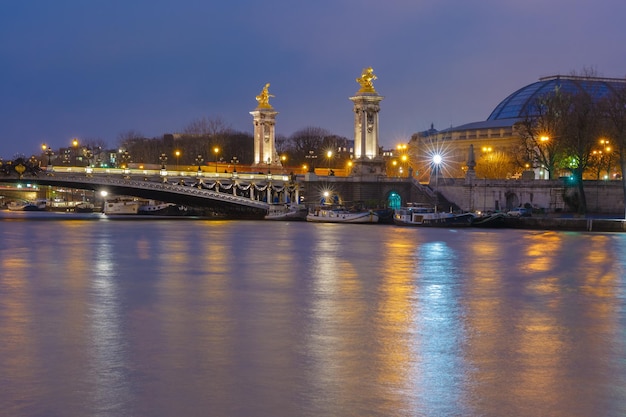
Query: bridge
{"points": [[234, 195]]}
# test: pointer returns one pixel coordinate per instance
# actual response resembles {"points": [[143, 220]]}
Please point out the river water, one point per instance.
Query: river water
{"points": [[225, 318]]}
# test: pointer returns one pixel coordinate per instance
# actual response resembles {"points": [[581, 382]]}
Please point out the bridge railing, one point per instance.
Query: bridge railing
{"points": [[168, 173]]}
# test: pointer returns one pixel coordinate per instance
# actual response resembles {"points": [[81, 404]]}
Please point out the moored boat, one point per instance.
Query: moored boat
{"points": [[286, 212], [84, 207], [37, 205], [119, 206], [341, 215], [160, 208], [492, 220], [426, 216]]}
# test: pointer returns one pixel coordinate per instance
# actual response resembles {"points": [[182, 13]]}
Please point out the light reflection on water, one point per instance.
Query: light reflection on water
{"points": [[191, 318]]}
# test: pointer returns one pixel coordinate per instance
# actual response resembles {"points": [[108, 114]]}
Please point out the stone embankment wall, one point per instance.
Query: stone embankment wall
{"points": [[603, 197], [570, 224]]}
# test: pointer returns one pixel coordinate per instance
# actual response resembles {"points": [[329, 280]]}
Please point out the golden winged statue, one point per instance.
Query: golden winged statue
{"points": [[264, 97], [365, 80]]}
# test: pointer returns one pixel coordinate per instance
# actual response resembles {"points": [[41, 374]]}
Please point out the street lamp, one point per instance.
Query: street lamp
{"points": [[199, 161], [607, 153], [216, 151], [75, 145], [177, 153], [33, 161], [163, 159], [312, 157], [404, 158], [49, 154], [437, 160], [125, 156], [234, 161], [89, 155], [329, 155]]}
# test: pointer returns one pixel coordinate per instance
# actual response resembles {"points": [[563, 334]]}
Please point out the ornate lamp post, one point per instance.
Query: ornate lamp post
{"points": [[199, 161], [163, 173], [89, 155], [177, 153], [49, 154], [234, 161], [33, 162], [125, 160], [312, 157]]}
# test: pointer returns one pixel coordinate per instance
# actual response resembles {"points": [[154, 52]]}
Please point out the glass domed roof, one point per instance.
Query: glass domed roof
{"points": [[520, 103]]}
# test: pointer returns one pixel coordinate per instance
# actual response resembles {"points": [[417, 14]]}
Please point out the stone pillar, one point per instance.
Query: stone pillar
{"points": [[366, 108], [264, 121], [367, 161]]}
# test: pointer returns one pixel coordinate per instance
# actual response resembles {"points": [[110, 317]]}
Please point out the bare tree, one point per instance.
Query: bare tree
{"points": [[541, 131], [203, 135], [614, 109], [308, 139], [127, 136], [581, 130], [495, 165]]}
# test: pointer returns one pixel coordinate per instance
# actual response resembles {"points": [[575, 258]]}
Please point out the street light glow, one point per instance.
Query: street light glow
{"points": [[437, 159]]}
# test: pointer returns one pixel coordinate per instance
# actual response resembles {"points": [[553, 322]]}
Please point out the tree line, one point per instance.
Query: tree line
{"points": [[209, 139]]}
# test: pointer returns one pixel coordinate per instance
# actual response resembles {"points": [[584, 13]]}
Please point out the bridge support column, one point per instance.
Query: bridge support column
{"points": [[264, 121]]}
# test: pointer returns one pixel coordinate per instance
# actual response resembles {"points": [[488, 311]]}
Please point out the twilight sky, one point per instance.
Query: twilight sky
{"points": [[99, 68]]}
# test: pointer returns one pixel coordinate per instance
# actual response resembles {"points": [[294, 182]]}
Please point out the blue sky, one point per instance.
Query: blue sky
{"points": [[99, 68]]}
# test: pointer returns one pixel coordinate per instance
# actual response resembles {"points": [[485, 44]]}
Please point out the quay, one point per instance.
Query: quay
{"points": [[567, 224]]}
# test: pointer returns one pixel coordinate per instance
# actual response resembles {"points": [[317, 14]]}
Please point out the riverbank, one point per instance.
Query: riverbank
{"points": [[588, 224]]}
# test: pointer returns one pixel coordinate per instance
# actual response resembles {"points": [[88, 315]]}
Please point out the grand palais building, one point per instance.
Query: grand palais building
{"points": [[497, 135]]}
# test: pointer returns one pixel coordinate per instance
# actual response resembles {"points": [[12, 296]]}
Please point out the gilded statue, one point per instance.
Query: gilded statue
{"points": [[264, 97], [365, 80]]}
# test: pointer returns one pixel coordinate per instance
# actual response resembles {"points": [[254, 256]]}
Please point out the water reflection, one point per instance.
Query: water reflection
{"points": [[107, 336], [266, 319], [440, 328]]}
